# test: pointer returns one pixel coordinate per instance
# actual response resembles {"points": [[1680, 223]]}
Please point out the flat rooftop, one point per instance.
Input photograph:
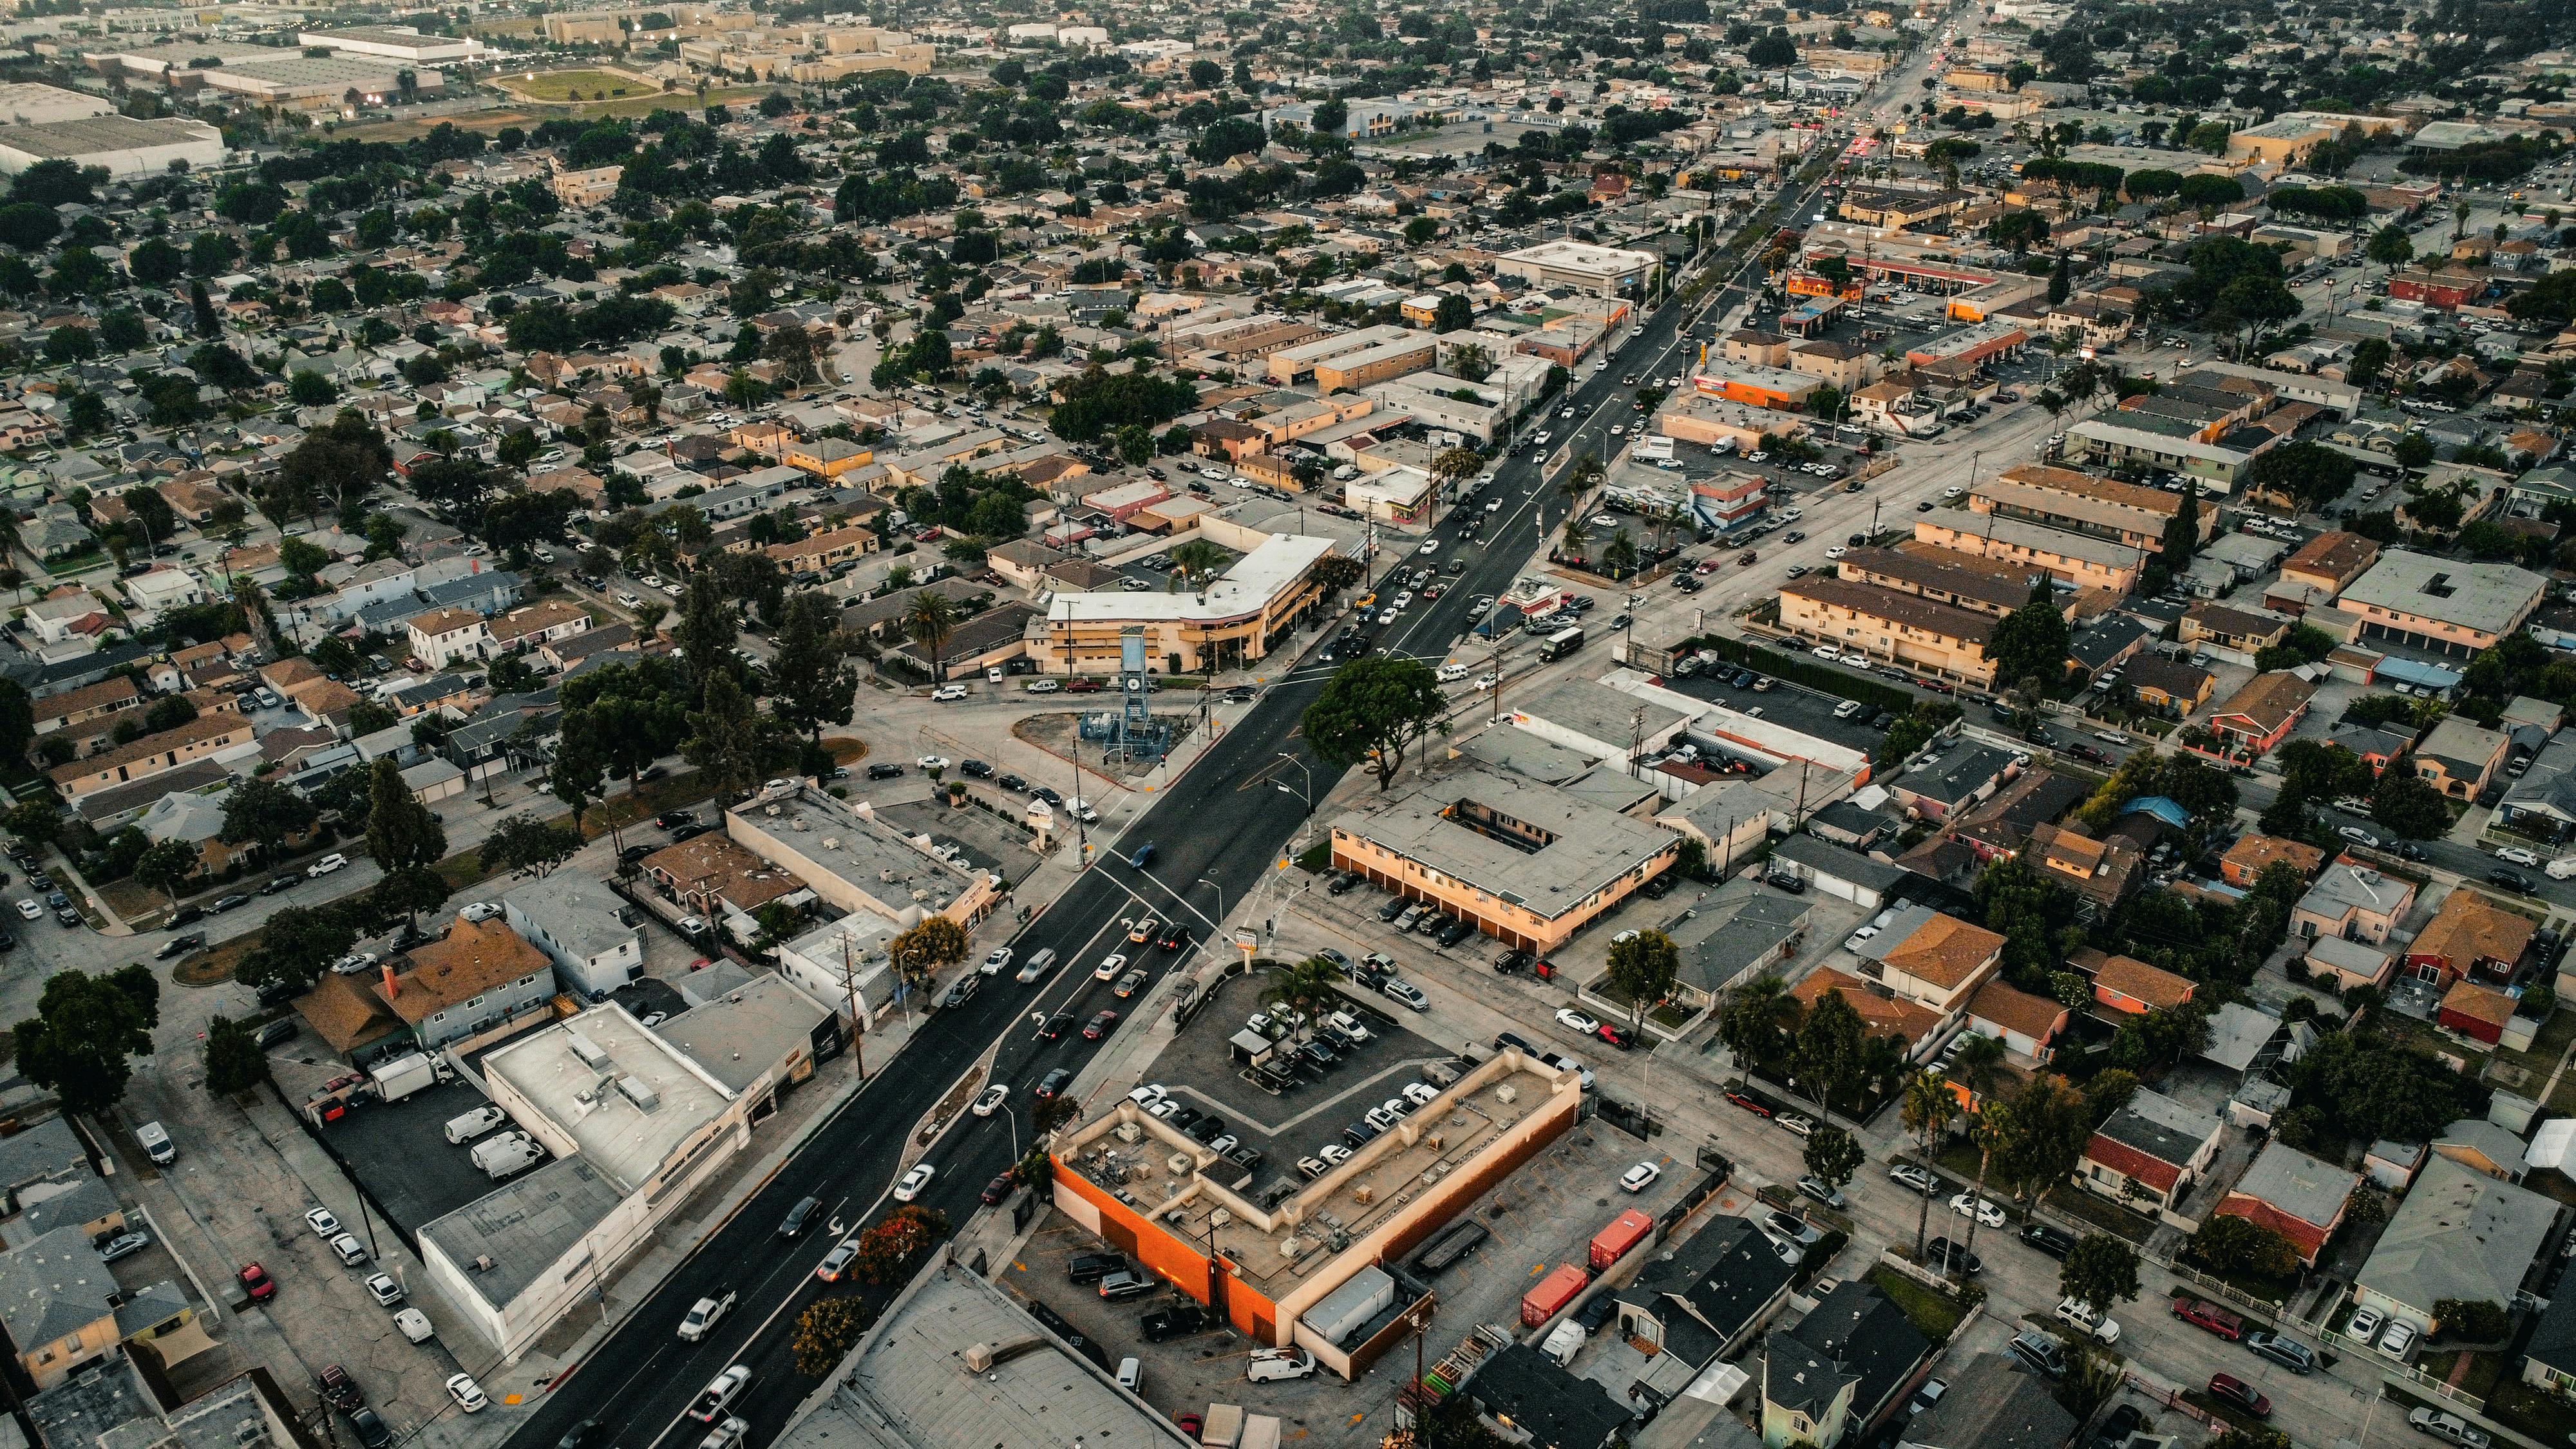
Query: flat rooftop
{"points": [[748, 1030], [847, 838], [625, 1097], [1278, 1250], [1532, 845], [526, 1225], [2489, 598], [63, 140], [1261, 576], [906, 1385]]}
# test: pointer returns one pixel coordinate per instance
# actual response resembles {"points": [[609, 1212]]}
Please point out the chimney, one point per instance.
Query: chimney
{"points": [[392, 990]]}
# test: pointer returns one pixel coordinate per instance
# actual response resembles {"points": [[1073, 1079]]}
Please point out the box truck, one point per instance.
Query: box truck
{"points": [[500, 1156], [404, 1075]]}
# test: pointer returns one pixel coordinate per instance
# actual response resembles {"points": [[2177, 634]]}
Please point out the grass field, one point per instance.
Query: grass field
{"points": [[570, 85]]}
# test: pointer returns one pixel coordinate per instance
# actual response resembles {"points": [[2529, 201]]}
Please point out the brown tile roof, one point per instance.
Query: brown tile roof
{"points": [[107, 692], [712, 865], [2268, 700], [2333, 555], [1872, 601], [2478, 1003], [1881, 1014], [203, 727], [2251, 853], [1944, 950], [285, 674], [519, 623], [2085, 485], [2469, 928], [473, 959], [345, 1012], [2160, 989], [2016, 1010]]}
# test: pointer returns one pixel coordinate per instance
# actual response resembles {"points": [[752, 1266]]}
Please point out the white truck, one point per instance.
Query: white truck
{"points": [[508, 1153], [405, 1075], [2561, 868]]}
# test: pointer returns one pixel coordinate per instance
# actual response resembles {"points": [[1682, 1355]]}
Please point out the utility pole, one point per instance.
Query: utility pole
{"points": [[850, 988]]}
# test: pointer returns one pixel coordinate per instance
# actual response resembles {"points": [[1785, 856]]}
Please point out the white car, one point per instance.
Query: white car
{"points": [[2359, 836], [2076, 1313], [703, 1315], [326, 865], [990, 1100], [995, 960], [2516, 855], [1109, 967], [478, 912], [1278, 1363], [2399, 1338], [1640, 1177], [629, 600], [1854, 942], [1147, 1095], [383, 1288], [1576, 1022], [948, 692], [1795, 1125], [931, 762], [1421, 1094], [31, 910], [913, 1182], [2448, 1426], [1837, 551], [348, 1249], [1488, 681], [468, 1394], [1334, 1154], [1429, 546], [1969, 1205], [324, 1225]]}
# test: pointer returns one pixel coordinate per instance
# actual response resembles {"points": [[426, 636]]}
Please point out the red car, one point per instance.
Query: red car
{"points": [[256, 1282], [1748, 1104], [1098, 1026], [998, 1189], [1082, 686], [2210, 1316], [2229, 1389], [1189, 1425], [1615, 1034]]}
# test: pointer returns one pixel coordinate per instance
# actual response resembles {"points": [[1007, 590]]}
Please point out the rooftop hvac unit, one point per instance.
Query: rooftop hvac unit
{"points": [[919, 894], [1129, 1132], [1179, 1163], [1431, 1174], [798, 822], [590, 1052], [483, 1263], [639, 1093], [885, 876], [1289, 1247], [831, 842], [1507, 1094], [769, 810], [1364, 1194], [1219, 1218]]}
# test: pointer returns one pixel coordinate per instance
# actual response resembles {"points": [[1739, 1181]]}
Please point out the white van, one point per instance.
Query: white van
{"points": [[156, 1143], [1040, 962], [1131, 1374]]}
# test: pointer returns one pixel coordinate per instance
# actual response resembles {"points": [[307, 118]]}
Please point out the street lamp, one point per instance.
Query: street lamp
{"points": [[1220, 896]]}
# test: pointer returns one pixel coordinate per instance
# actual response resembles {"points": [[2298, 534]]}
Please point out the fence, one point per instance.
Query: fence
{"points": [[2428, 1383]]}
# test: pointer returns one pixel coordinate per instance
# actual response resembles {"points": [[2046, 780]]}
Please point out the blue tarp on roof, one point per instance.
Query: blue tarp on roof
{"points": [[2160, 807], [2417, 673]]}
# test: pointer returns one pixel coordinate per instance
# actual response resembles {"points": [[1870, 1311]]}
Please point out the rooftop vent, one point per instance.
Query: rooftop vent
{"points": [[483, 1263], [637, 1092], [590, 1052]]}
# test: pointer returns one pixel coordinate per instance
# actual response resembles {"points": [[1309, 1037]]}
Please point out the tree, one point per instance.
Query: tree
{"points": [[2409, 806], [2182, 531], [203, 306], [1643, 967], [888, 1251], [165, 868], [401, 833], [1775, 51], [2232, 1244], [1990, 1128], [732, 745], [523, 843], [936, 941], [1833, 1155], [810, 685], [708, 631], [826, 1332], [85, 1027], [342, 461], [1931, 1104], [234, 1062], [1825, 1057], [2030, 643], [1454, 314], [1755, 1022], [2467, 1320], [1307, 988], [1372, 710], [295, 945], [928, 622], [2099, 1271]]}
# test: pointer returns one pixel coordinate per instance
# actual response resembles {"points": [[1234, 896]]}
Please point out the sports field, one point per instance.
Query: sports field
{"points": [[575, 85]]}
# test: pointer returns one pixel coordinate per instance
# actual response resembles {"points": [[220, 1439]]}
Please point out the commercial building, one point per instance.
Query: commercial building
{"points": [[1290, 365], [1600, 723], [392, 42], [634, 1127], [29, 103], [2445, 606], [1908, 629], [1234, 621], [1581, 267], [1263, 1265], [2133, 441], [126, 147], [590, 187], [1395, 357], [1523, 862], [851, 861], [320, 83]]}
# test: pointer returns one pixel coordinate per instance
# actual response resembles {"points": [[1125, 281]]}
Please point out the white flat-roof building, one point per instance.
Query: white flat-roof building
{"points": [[123, 145], [1580, 266], [635, 1126], [392, 42], [27, 103], [320, 81], [1230, 623]]}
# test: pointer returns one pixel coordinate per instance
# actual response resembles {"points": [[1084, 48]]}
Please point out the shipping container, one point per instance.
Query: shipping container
{"points": [[1551, 1295], [1370, 1292], [1625, 1232]]}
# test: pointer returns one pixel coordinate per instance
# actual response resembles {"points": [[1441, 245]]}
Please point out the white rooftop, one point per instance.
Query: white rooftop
{"points": [[624, 1096], [1257, 578]]}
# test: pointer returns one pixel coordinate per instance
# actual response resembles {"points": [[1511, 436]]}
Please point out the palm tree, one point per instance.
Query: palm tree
{"points": [[928, 623], [1990, 1128], [1930, 1107], [1305, 989], [1195, 562], [1574, 535]]}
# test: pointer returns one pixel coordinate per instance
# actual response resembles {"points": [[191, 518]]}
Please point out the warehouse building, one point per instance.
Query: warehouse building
{"points": [[124, 146], [399, 43], [1581, 267], [321, 82], [26, 103]]}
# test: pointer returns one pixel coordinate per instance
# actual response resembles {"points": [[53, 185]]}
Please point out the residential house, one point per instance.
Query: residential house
{"points": [[2168, 685], [2027, 1025], [1519, 1387], [479, 976], [1841, 1370], [2151, 1151], [1934, 960], [2259, 715], [2243, 863], [1726, 939], [58, 1302], [2353, 902], [2131, 987], [1993, 1403], [2470, 936], [2458, 1234], [1706, 1298], [2342, 965], [1915, 1027], [440, 638], [1951, 779], [2100, 871], [88, 712], [2460, 757], [2232, 634], [207, 737], [592, 936], [2549, 1356], [536, 625], [2478, 1143], [2294, 1195], [2477, 1012]]}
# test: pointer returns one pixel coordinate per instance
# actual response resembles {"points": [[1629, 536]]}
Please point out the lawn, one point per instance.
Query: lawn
{"points": [[2098, 1211], [2484, 1370], [2535, 1065], [577, 85], [2519, 1406], [1933, 1313]]}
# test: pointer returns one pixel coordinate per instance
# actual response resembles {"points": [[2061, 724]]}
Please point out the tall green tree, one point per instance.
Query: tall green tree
{"points": [[84, 1030], [731, 743], [811, 684], [928, 621], [1930, 1106], [1832, 1155], [402, 835], [708, 631], [166, 868], [1372, 710], [2182, 531], [234, 1062], [1643, 967], [1826, 1057], [2099, 1271], [2029, 644]]}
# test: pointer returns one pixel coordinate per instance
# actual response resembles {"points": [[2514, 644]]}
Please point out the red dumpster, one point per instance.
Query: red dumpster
{"points": [[1551, 1295], [1613, 1242]]}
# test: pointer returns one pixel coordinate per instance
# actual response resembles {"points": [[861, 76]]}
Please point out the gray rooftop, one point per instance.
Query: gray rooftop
{"points": [[1597, 712], [2459, 1234], [1993, 1403], [1727, 938], [2549, 786], [525, 1226], [52, 1288], [1955, 772], [869, 855], [86, 1408], [748, 1030], [85, 1201], [48, 1149], [2488, 597], [583, 916], [906, 1386], [63, 140], [2297, 1184], [1584, 847], [2160, 1127], [2352, 887], [2487, 1140], [1826, 858]]}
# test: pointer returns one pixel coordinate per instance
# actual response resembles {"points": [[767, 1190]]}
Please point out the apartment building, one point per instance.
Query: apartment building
{"points": [[2448, 606], [1909, 629]]}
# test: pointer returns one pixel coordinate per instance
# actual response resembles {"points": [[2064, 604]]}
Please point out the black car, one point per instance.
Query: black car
{"points": [[1394, 907], [1092, 1267], [1184, 1119], [1596, 1311], [1010, 782], [635, 853], [2409, 850], [885, 771], [1341, 884], [1320, 1055], [1881, 721], [1048, 794], [675, 819], [281, 883], [959, 994], [1515, 961], [8, 942], [2512, 880], [579, 1435], [1207, 1129], [2048, 1240], [1056, 1026], [1951, 1257], [2116, 1429], [1053, 1082], [181, 946], [1660, 887], [232, 902], [689, 832], [1174, 938], [370, 1428], [1512, 1039], [976, 768], [185, 916], [1165, 1324]]}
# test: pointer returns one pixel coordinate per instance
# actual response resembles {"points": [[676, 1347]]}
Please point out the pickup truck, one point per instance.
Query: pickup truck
{"points": [[726, 1388]]}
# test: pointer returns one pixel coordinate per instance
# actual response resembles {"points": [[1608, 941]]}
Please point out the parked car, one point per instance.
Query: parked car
{"points": [[2448, 1426], [2052, 1241], [2236, 1393], [2289, 1353], [2209, 1316]]}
